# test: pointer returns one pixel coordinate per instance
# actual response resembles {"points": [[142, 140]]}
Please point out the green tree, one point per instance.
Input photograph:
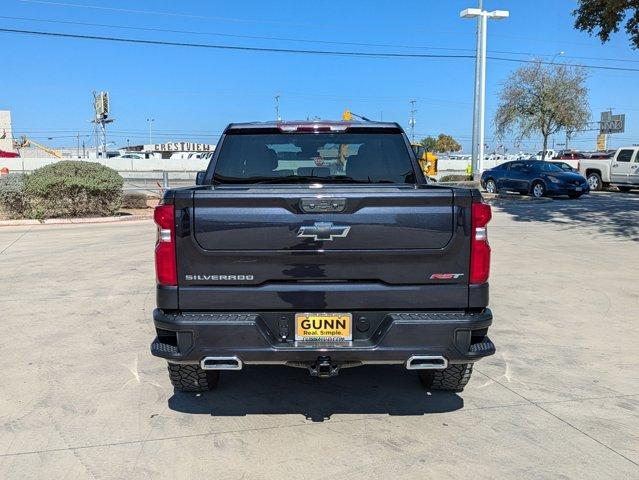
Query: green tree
{"points": [[539, 99], [446, 143], [603, 17], [429, 143]]}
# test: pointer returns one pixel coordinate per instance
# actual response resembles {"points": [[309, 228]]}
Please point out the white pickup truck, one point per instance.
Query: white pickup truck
{"points": [[622, 170]]}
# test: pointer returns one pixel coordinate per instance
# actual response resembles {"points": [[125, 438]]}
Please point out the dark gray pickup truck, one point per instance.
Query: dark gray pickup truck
{"points": [[320, 245]]}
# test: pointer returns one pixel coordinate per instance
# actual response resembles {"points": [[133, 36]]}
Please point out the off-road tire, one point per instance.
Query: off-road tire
{"points": [[454, 378], [191, 378]]}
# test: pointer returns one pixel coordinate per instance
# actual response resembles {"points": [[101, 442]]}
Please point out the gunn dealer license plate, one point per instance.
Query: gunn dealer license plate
{"points": [[323, 327]]}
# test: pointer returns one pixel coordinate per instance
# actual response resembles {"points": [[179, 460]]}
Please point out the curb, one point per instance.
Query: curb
{"points": [[495, 197], [73, 221]]}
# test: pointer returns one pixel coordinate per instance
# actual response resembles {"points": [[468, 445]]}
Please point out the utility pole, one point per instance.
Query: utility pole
{"points": [[277, 108], [101, 107], [97, 140], [150, 122], [411, 120], [78, 136]]}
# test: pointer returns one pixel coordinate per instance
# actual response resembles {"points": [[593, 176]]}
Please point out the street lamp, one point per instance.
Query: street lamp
{"points": [[150, 122], [479, 112], [558, 54]]}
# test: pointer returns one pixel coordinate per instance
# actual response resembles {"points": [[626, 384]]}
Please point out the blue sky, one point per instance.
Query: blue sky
{"points": [[193, 93]]}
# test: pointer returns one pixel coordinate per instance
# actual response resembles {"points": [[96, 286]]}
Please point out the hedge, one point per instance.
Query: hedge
{"points": [[69, 188], [12, 198]]}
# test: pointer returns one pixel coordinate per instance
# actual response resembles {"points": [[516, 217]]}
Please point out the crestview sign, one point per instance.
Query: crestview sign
{"points": [[180, 147]]}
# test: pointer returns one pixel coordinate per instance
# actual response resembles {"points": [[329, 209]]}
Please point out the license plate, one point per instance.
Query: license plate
{"points": [[578, 189], [323, 327]]}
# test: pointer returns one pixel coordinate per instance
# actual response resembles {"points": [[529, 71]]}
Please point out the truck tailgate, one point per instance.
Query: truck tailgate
{"points": [[266, 247]]}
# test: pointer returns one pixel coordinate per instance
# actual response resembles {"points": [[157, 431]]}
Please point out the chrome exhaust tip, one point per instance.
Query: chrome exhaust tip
{"points": [[221, 363], [426, 362]]}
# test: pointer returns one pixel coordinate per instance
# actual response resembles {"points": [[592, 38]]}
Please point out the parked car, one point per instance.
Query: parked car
{"points": [[550, 153], [566, 167], [622, 170], [206, 156], [179, 156], [274, 259], [534, 177], [569, 155], [601, 155], [132, 156], [5, 154]]}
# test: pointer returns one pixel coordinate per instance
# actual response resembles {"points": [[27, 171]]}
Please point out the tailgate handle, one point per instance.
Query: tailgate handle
{"points": [[460, 216]]}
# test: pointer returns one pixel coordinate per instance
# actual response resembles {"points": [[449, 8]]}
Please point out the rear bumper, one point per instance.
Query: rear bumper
{"points": [[256, 338]]}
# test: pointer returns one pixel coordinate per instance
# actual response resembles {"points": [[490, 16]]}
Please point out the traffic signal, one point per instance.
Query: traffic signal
{"points": [[347, 116]]}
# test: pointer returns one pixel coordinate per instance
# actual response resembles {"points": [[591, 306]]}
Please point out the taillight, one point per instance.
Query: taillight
{"points": [[165, 267], [479, 248]]}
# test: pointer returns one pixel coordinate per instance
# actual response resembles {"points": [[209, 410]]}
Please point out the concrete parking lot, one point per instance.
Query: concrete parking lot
{"points": [[81, 396]]}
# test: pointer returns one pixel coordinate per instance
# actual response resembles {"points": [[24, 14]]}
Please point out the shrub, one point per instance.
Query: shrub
{"points": [[12, 198], [455, 178], [134, 200], [73, 188]]}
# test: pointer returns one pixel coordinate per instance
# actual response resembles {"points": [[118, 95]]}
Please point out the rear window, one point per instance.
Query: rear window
{"points": [[314, 158]]}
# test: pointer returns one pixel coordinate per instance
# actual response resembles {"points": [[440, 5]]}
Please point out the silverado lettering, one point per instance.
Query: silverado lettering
{"points": [[218, 277]]}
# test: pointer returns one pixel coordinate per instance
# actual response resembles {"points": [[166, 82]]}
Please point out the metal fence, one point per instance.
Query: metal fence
{"points": [[154, 182]]}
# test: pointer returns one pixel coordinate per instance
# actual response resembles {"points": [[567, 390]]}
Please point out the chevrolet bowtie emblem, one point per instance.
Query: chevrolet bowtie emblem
{"points": [[323, 231]]}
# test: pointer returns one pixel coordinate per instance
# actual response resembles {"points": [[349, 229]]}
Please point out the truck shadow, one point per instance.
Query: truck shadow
{"points": [[608, 213], [283, 390]]}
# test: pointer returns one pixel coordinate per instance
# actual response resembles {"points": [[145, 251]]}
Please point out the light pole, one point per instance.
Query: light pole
{"points": [[411, 120], [480, 82], [150, 122], [558, 54], [277, 108]]}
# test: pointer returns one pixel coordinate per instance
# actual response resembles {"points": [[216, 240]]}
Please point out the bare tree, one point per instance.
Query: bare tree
{"points": [[543, 99]]}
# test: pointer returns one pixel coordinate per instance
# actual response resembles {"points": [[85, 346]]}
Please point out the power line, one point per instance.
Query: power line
{"points": [[234, 47], [293, 50], [252, 37], [153, 12], [301, 40]]}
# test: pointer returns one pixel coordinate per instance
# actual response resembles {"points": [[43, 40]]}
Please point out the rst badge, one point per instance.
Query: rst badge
{"points": [[446, 276]]}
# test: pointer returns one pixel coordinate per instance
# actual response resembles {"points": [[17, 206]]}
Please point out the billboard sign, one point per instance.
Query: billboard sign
{"points": [[610, 123], [101, 104]]}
